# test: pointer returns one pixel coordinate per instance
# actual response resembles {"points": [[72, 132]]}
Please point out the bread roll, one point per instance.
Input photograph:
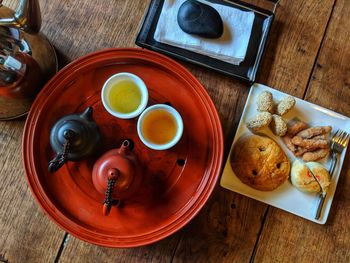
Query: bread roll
{"points": [[259, 162], [303, 179]]}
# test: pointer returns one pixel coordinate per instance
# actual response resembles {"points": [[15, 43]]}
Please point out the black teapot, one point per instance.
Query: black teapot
{"points": [[74, 137]]}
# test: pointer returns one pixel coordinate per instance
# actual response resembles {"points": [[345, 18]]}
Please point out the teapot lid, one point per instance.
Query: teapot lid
{"points": [[80, 130]]}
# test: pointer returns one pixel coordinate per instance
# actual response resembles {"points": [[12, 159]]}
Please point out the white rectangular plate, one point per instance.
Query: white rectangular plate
{"points": [[287, 197]]}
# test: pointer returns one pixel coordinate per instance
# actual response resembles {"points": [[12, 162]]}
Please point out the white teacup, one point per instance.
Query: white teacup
{"points": [[124, 95], [160, 127]]}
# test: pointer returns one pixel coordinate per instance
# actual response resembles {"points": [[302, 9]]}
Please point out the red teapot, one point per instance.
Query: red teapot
{"points": [[117, 174]]}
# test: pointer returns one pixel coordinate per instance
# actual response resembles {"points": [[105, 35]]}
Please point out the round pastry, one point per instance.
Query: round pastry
{"points": [[265, 102], [259, 162], [302, 178]]}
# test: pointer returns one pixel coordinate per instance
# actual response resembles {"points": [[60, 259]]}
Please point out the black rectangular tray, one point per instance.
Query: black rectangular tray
{"points": [[246, 71]]}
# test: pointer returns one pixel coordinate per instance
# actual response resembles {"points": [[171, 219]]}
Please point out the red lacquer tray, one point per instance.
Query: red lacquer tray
{"points": [[176, 182]]}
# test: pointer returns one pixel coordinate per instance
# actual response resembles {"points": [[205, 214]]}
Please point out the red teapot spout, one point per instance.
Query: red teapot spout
{"points": [[117, 175], [125, 148]]}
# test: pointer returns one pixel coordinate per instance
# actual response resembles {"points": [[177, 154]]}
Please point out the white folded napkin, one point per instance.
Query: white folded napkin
{"points": [[231, 47]]}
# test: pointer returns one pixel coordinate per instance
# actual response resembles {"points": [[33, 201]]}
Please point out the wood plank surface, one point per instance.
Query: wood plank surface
{"points": [[286, 238], [26, 234], [227, 229], [231, 227], [294, 41]]}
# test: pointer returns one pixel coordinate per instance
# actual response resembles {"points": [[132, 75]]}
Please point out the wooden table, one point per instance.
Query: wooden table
{"points": [[308, 56]]}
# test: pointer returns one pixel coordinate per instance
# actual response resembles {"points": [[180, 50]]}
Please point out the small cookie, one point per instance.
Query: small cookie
{"points": [[278, 125], [265, 102], [285, 105], [259, 121]]}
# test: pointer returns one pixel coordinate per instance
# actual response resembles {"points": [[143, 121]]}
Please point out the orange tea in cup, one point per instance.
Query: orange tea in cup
{"points": [[159, 126]]}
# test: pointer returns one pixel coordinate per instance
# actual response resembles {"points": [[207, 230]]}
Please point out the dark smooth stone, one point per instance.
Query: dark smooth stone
{"points": [[200, 19]]}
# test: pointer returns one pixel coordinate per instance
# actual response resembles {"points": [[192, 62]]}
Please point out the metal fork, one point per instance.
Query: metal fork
{"points": [[339, 142]]}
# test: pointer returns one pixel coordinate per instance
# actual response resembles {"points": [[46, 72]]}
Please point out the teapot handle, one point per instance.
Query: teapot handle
{"points": [[61, 158], [27, 17], [113, 175]]}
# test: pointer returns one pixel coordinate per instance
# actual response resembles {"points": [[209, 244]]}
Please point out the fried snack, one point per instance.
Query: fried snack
{"points": [[265, 102], [300, 151], [259, 162], [285, 105], [309, 144], [278, 125], [315, 155], [259, 121], [302, 178], [314, 131], [295, 126], [321, 137], [288, 142]]}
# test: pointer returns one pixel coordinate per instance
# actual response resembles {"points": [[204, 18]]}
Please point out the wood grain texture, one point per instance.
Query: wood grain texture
{"points": [[227, 228], [77, 28], [294, 41], [286, 238], [26, 234], [80, 252], [330, 81], [10, 3]]}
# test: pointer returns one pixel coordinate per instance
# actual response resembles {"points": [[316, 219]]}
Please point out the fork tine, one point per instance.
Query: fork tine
{"points": [[345, 140], [335, 135], [342, 137], [333, 139]]}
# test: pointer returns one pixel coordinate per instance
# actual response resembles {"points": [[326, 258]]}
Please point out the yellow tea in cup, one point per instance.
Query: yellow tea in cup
{"points": [[124, 96], [159, 126]]}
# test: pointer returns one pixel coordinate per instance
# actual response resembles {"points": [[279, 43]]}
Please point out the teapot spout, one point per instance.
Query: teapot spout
{"points": [[87, 114], [27, 17], [125, 148]]}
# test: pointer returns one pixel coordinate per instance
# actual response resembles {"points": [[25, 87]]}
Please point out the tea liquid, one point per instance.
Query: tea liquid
{"points": [[159, 127], [124, 96]]}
